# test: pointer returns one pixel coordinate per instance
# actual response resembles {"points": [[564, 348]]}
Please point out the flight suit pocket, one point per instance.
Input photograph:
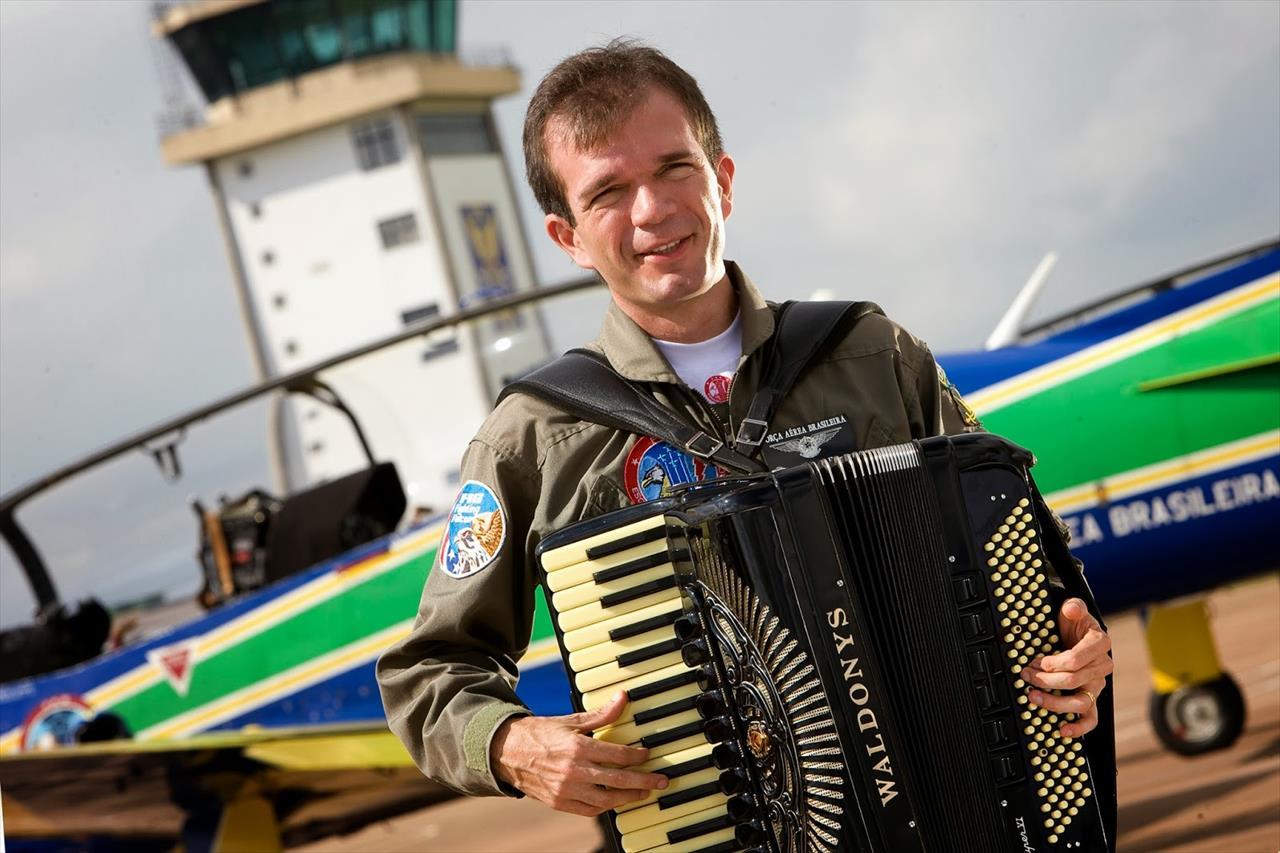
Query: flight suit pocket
{"points": [[606, 496], [878, 434]]}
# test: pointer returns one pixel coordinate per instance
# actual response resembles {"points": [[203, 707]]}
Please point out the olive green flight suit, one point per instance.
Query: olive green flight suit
{"points": [[450, 684]]}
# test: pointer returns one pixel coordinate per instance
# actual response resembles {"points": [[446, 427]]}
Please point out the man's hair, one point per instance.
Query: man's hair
{"points": [[592, 93]]}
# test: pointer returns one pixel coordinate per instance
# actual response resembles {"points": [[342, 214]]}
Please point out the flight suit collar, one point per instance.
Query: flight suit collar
{"points": [[634, 355]]}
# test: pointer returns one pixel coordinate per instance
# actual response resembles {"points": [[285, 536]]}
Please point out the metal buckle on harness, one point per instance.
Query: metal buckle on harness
{"points": [[752, 432], [703, 445]]}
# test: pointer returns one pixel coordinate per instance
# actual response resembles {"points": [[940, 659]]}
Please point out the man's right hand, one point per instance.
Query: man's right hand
{"points": [[557, 761]]}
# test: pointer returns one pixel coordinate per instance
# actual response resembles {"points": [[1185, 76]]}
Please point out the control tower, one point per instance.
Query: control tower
{"points": [[360, 186]]}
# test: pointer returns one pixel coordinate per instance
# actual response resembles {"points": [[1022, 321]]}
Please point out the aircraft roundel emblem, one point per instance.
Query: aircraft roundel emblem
{"points": [[54, 722]]}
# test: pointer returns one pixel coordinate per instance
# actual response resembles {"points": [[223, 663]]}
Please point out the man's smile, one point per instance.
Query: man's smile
{"points": [[665, 250]]}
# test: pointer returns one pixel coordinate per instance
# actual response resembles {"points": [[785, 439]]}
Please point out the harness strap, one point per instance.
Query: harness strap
{"points": [[583, 383], [803, 328]]}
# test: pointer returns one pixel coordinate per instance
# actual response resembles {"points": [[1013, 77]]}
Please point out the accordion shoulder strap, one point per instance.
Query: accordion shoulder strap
{"points": [[803, 328], [584, 384]]}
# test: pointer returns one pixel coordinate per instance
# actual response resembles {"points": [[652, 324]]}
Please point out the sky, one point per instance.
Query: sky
{"points": [[925, 156]]}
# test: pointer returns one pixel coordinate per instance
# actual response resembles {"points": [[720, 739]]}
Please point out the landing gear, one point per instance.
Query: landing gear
{"points": [[1195, 707], [1199, 718]]}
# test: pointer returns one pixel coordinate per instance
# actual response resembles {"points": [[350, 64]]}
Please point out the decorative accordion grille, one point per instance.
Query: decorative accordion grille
{"points": [[777, 698]]}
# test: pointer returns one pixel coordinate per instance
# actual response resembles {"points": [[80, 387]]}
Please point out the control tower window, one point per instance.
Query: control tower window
{"points": [[398, 231], [375, 143], [453, 134], [263, 43]]}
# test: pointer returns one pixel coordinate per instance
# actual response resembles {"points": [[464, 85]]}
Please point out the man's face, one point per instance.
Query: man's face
{"points": [[649, 209]]}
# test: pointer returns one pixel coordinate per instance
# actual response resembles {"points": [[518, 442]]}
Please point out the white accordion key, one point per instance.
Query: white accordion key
{"points": [[598, 611], [610, 651], [598, 632], [585, 593], [699, 843], [631, 559], [681, 783], [611, 673], [642, 687], [648, 836], [632, 733], [568, 555]]}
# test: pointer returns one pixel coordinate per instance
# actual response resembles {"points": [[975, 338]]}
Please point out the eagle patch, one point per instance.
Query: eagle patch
{"points": [[654, 467], [826, 437], [475, 532]]}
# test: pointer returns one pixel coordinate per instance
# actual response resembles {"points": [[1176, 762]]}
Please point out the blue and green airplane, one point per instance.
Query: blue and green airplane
{"points": [[1155, 416]]}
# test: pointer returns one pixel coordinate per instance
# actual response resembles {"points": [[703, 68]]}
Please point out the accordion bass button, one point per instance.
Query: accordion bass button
{"points": [[695, 653], [710, 704], [688, 627], [718, 729], [741, 807], [733, 782], [726, 756], [751, 834]]}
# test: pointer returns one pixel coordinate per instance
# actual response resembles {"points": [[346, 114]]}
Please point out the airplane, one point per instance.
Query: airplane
{"points": [[1155, 414]]}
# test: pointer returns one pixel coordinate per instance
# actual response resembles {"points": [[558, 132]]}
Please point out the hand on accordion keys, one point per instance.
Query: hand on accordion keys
{"points": [[557, 761], [1082, 668]]}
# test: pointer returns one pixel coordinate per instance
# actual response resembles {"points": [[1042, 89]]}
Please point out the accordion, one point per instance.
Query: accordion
{"points": [[826, 658]]}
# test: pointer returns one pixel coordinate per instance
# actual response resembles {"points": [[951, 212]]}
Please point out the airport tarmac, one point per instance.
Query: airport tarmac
{"points": [[1228, 802]]}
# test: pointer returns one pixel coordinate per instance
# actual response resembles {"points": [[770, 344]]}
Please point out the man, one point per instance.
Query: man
{"points": [[625, 158]]}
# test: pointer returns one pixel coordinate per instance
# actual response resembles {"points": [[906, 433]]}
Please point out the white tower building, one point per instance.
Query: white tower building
{"points": [[360, 186]]}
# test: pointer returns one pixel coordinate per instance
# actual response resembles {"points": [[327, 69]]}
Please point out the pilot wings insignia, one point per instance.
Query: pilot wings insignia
{"points": [[807, 446]]}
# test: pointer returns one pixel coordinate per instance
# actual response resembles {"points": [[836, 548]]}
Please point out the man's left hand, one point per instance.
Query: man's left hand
{"points": [[1081, 670]]}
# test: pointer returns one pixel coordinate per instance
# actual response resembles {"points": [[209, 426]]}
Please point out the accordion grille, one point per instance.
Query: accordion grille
{"points": [[900, 574], [803, 776]]}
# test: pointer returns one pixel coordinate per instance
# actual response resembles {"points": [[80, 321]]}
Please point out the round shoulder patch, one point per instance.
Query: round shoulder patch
{"points": [[475, 532]]}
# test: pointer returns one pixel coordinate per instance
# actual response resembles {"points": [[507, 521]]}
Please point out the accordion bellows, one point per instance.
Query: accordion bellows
{"points": [[826, 658]]}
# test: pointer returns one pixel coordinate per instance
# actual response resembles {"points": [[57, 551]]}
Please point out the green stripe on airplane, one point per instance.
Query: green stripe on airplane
{"points": [[1200, 415], [364, 609]]}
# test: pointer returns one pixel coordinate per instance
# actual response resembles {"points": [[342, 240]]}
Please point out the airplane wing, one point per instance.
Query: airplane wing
{"points": [[318, 780]]}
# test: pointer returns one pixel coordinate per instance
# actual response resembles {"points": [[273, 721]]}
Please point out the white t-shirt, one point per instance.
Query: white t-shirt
{"points": [[707, 366]]}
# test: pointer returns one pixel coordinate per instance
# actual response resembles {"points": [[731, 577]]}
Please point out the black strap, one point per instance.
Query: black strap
{"points": [[802, 330], [583, 383]]}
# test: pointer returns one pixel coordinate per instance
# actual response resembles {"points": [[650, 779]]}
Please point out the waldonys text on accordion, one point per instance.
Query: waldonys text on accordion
{"points": [[827, 657]]}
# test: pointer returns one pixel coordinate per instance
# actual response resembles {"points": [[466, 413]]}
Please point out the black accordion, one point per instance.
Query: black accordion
{"points": [[826, 658]]}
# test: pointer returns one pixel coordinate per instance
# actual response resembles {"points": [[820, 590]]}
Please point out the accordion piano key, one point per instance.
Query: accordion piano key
{"points": [[609, 652], [619, 627], [600, 611], [688, 817], [618, 565], [633, 733], [603, 544], [683, 783], [660, 683], [600, 677], [585, 593]]}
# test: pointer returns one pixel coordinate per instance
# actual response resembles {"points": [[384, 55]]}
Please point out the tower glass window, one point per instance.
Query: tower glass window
{"points": [[266, 42], [453, 134], [375, 143], [398, 231]]}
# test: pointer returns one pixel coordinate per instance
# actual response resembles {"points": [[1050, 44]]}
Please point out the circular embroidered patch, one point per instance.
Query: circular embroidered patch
{"points": [[653, 467], [717, 387], [475, 532]]}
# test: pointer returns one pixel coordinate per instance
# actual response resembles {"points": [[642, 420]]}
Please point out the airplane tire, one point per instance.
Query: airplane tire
{"points": [[1200, 718]]}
